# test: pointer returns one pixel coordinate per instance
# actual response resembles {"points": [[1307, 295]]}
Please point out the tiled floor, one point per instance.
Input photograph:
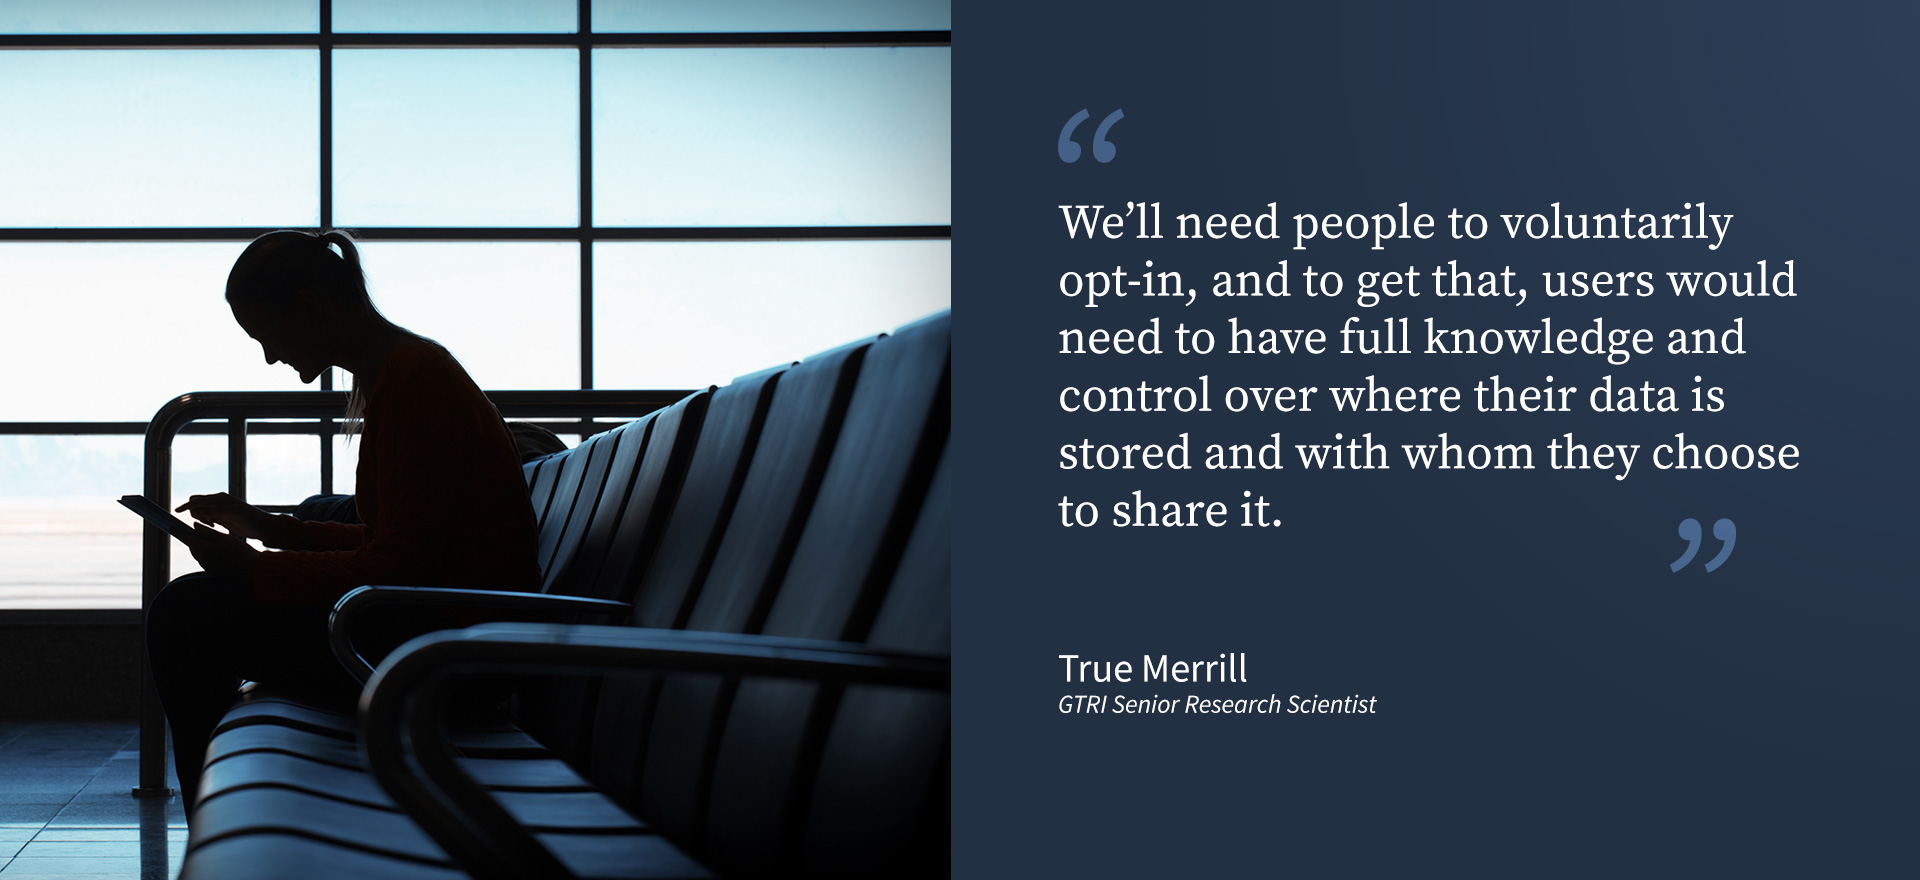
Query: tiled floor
{"points": [[66, 808]]}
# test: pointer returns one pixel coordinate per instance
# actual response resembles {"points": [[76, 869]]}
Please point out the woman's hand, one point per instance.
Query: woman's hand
{"points": [[238, 517], [223, 555]]}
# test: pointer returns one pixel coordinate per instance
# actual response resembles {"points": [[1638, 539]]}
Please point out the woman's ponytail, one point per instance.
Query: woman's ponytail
{"points": [[356, 414], [350, 272], [349, 251]]}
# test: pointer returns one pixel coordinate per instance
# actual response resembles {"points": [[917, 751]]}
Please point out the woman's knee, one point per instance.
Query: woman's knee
{"points": [[190, 602]]}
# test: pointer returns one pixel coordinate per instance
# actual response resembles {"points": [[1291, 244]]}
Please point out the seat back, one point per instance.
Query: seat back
{"points": [[870, 503], [566, 489], [541, 474], [660, 552], [600, 494], [754, 547], [682, 497], [618, 546], [811, 502], [878, 803], [715, 472], [601, 550]]}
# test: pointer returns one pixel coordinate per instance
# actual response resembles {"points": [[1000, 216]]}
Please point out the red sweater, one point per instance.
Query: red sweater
{"points": [[440, 490]]}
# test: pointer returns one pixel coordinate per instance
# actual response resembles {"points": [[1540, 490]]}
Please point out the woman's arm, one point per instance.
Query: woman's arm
{"points": [[274, 530], [441, 489]]}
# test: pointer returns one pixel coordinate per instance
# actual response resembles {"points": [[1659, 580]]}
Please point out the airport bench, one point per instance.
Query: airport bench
{"points": [[761, 687]]}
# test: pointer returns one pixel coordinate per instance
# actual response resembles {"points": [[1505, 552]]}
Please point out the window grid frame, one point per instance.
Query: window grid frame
{"points": [[324, 40]]}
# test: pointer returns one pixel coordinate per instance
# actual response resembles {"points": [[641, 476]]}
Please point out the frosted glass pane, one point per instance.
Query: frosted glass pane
{"points": [[614, 16], [692, 314], [110, 332], [282, 468], [159, 16], [509, 311], [747, 137], [456, 137], [64, 542], [159, 138], [454, 16], [346, 463], [54, 467], [70, 551]]}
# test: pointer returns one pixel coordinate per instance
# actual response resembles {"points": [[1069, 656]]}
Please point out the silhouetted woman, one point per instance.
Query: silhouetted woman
{"points": [[439, 489]]}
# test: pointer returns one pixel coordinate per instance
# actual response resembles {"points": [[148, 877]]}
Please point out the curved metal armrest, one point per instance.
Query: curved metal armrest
{"points": [[340, 622], [403, 711], [553, 647]]}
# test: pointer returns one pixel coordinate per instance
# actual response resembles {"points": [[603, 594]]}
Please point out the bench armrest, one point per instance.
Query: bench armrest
{"points": [[340, 622], [404, 707]]}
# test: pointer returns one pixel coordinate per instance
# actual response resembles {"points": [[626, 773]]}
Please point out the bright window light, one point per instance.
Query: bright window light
{"points": [[159, 137], [454, 16], [159, 16], [172, 144], [456, 137], [692, 314], [775, 137], [509, 311], [713, 16], [111, 331]]}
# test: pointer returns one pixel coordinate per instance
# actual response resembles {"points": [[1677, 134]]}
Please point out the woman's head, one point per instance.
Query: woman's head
{"points": [[278, 265], [299, 298]]}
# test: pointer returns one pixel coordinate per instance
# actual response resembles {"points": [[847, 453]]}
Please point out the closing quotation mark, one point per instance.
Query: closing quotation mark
{"points": [[1102, 151], [1690, 532]]}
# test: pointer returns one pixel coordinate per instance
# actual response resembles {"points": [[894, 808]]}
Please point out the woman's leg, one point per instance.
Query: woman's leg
{"points": [[190, 626], [205, 635]]}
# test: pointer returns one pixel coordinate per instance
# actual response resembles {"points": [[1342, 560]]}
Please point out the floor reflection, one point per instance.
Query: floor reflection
{"points": [[66, 810]]}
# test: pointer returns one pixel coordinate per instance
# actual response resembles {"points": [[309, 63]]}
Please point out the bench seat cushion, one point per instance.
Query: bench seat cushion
{"points": [[288, 856], [278, 795]]}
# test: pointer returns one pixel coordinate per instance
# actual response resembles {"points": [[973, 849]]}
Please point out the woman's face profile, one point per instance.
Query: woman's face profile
{"points": [[284, 338]]}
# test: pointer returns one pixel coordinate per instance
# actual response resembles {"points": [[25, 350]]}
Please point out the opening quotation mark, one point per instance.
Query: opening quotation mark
{"points": [[1690, 532], [1103, 151]]}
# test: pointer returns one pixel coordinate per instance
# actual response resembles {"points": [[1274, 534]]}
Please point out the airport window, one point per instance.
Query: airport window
{"points": [[159, 16], [468, 16], [744, 183], [641, 334], [768, 137], [109, 331], [456, 137], [159, 137], [717, 16], [518, 320]]}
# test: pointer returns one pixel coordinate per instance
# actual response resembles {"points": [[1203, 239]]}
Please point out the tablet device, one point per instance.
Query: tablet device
{"points": [[159, 516]]}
